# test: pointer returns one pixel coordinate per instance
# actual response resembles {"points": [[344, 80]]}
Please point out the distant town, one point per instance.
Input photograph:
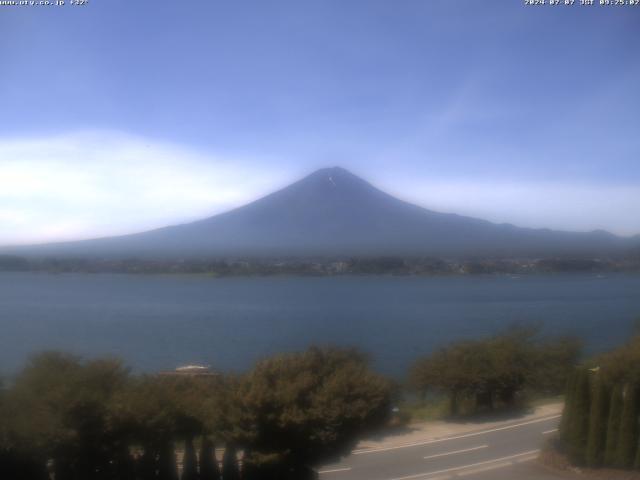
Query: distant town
{"points": [[324, 266]]}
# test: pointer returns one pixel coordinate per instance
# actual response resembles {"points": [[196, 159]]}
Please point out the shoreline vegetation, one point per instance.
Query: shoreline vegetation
{"points": [[95, 420], [385, 265]]}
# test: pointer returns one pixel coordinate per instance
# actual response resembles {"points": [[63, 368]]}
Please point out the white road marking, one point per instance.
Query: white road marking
{"points": [[500, 460], [487, 468], [495, 466], [526, 459], [474, 434], [334, 470], [547, 432], [456, 451]]}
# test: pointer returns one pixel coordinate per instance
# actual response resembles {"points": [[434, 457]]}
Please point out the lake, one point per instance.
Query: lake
{"points": [[160, 322]]}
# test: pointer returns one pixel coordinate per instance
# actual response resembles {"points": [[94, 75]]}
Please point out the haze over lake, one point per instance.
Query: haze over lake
{"points": [[160, 322]]}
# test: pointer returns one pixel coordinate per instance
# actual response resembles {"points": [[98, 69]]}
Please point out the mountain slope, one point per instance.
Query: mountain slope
{"points": [[333, 212]]}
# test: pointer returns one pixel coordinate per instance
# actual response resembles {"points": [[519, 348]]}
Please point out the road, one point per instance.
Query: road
{"points": [[507, 451]]}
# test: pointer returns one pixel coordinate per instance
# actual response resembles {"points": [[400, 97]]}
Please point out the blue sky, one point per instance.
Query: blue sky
{"points": [[125, 115]]}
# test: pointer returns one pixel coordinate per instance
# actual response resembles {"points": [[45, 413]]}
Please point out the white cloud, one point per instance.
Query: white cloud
{"points": [[91, 184]]}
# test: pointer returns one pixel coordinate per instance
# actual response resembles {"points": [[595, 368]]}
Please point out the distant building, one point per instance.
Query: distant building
{"points": [[191, 371], [339, 267]]}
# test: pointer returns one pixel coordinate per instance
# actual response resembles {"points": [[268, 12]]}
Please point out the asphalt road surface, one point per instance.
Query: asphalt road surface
{"points": [[504, 452]]}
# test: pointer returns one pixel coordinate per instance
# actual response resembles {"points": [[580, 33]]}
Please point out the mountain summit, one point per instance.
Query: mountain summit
{"points": [[334, 212]]}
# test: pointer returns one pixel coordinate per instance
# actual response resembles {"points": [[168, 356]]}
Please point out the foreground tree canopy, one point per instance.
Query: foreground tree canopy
{"points": [[67, 418], [600, 423], [83, 420], [311, 407], [482, 374]]}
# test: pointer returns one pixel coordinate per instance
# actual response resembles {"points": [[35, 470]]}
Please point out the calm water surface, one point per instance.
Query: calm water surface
{"points": [[159, 322]]}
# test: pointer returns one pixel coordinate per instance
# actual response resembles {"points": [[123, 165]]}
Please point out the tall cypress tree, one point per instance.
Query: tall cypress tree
{"points": [[598, 422], [613, 426], [189, 461], [209, 469], [230, 469], [628, 437], [579, 426], [567, 413], [167, 469]]}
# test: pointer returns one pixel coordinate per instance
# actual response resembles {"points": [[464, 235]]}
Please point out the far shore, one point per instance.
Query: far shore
{"points": [[325, 267]]}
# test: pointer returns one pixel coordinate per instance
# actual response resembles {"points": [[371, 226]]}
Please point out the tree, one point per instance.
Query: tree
{"points": [[167, 469], [567, 413], [628, 436], [312, 406], [17, 461], [579, 427], [149, 417], [513, 357], [230, 463], [497, 369], [209, 469], [613, 426], [189, 461], [463, 370], [443, 371], [622, 365], [61, 408], [556, 359], [157, 411], [598, 422]]}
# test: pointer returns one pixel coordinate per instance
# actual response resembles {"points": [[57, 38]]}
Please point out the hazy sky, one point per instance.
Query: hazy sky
{"points": [[123, 115]]}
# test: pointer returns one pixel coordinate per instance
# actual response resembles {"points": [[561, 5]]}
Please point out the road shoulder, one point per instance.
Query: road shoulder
{"points": [[423, 432]]}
